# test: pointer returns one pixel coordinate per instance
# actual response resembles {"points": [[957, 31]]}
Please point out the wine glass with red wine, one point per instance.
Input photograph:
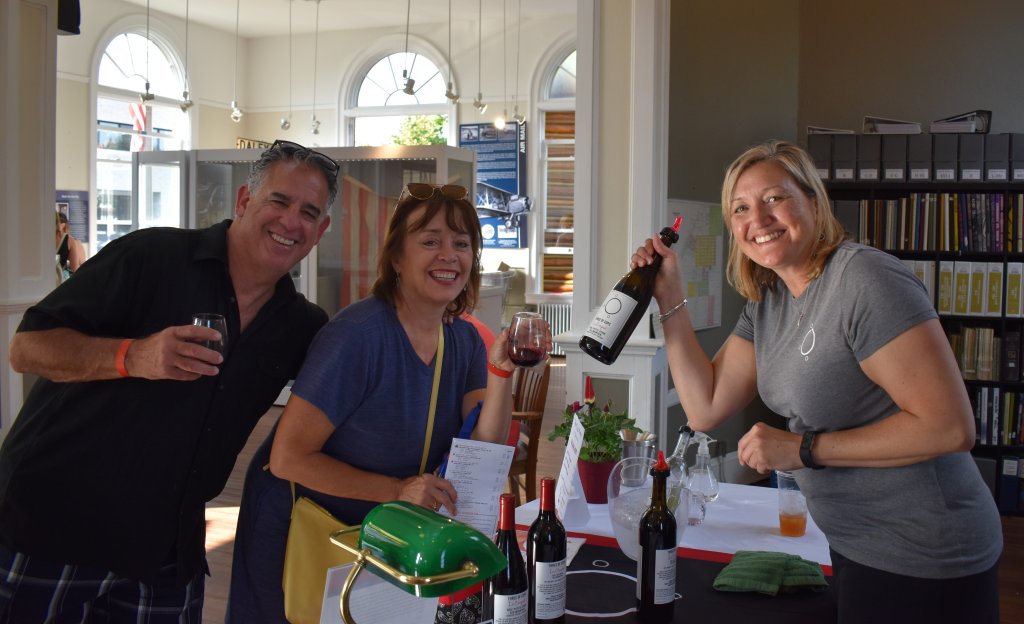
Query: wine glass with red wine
{"points": [[526, 339]]}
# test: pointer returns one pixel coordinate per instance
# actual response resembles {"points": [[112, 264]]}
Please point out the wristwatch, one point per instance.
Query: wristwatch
{"points": [[805, 450]]}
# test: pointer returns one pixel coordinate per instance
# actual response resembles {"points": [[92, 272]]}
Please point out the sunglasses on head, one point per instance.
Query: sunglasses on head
{"points": [[289, 148], [424, 191]]}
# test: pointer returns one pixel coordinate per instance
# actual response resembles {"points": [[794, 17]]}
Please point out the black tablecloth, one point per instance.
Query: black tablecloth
{"points": [[602, 580]]}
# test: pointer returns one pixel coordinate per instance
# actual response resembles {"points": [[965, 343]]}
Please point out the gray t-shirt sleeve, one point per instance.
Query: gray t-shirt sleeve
{"points": [[882, 299]]}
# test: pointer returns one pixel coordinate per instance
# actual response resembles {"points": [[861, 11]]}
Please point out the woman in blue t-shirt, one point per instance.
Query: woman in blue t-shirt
{"points": [[352, 435]]}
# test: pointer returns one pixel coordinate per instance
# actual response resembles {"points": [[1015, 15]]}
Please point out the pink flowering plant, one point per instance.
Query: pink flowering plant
{"points": [[602, 429]]}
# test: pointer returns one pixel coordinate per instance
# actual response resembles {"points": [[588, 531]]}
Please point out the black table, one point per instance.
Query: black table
{"points": [[602, 581]]}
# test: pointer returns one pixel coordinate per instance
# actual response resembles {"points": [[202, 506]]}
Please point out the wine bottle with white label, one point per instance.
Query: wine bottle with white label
{"points": [[545, 560], [656, 565], [624, 307], [506, 593]]}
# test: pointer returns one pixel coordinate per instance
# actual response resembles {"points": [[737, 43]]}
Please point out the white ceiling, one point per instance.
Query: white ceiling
{"points": [[263, 18]]}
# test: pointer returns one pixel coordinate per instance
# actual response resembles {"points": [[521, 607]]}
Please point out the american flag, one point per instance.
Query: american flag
{"points": [[138, 114], [364, 224]]}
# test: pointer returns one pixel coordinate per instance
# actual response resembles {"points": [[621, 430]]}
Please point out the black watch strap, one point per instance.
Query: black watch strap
{"points": [[805, 450]]}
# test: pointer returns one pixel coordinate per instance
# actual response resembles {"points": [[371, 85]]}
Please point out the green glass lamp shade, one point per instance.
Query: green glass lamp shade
{"points": [[423, 544]]}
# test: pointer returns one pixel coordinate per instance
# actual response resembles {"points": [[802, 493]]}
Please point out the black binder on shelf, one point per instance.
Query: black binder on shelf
{"points": [[869, 157], [1009, 484], [1017, 157], [987, 468], [997, 157], [819, 146], [844, 157], [919, 157], [944, 157], [971, 159], [894, 157]]}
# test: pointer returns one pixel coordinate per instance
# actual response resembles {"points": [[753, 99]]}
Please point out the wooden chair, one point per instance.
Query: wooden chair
{"points": [[530, 391]]}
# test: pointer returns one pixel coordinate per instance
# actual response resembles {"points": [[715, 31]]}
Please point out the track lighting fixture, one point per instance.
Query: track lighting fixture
{"points": [[286, 122], [479, 103], [236, 113], [410, 83], [449, 92], [186, 102], [499, 123], [315, 125], [147, 96]]}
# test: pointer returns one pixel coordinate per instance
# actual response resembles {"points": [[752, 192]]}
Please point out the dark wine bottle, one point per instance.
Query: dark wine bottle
{"points": [[545, 560], [506, 593], [656, 567], [624, 307]]}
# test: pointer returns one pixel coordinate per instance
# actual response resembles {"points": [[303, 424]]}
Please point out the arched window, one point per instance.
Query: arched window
{"points": [[384, 112], [126, 123], [557, 107]]}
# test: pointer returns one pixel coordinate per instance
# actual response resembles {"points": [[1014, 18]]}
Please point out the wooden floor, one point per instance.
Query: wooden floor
{"points": [[222, 511]]}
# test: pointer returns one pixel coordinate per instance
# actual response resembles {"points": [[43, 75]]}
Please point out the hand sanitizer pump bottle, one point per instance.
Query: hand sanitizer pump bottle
{"points": [[702, 483]]}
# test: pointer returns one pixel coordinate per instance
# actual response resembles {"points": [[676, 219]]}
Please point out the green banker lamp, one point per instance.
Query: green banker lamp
{"points": [[418, 550]]}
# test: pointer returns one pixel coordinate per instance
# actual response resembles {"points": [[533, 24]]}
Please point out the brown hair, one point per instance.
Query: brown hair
{"points": [[460, 216], [746, 276]]}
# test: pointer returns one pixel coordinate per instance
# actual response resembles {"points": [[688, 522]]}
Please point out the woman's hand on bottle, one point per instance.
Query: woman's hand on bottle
{"points": [[430, 491], [668, 285]]}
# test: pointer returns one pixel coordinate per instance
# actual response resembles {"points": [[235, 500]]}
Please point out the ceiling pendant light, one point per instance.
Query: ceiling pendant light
{"points": [[236, 113], [286, 122], [517, 117], [449, 93], [186, 102], [410, 83], [499, 123], [316, 47], [147, 96], [479, 101]]}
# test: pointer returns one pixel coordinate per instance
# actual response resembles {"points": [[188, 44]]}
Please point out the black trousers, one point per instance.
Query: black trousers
{"points": [[871, 596]]}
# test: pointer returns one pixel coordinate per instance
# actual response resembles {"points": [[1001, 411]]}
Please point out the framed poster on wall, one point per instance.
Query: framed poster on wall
{"points": [[500, 175]]}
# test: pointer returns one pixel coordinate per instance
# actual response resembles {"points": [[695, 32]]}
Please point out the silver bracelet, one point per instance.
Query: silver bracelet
{"points": [[664, 317]]}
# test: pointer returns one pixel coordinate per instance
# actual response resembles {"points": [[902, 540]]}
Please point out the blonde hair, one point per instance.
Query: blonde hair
{"points": [[746, 276]]}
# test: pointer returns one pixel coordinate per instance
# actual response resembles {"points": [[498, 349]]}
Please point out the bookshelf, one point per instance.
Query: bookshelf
{"points": [[965, 241]]}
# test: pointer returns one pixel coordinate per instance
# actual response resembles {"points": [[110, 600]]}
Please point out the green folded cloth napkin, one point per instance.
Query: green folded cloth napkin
{"points": [[769, 573]]}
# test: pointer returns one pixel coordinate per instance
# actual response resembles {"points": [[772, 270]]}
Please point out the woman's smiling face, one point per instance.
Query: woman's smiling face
{"points": [[435, 262], [772, 219]]}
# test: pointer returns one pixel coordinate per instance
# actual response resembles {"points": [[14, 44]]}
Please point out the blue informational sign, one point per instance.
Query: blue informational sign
{"points": [[497, 235], [75, 205], [500, 175]]}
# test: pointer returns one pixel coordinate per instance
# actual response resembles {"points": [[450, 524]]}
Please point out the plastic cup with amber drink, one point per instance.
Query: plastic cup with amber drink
{"points": [[792, 506]]}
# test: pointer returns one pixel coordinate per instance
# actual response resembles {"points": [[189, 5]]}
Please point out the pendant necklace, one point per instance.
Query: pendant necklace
{"points": [[804, 304]]}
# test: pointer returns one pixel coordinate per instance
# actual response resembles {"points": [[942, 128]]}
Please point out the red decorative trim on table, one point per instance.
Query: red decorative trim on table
{"points": [[685, 553]]}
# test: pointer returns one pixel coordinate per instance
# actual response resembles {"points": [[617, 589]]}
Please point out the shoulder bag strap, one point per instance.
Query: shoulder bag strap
{"points": [[433, 397]]}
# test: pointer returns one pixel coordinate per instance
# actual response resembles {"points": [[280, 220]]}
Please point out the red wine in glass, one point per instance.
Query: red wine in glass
{"points": [[525, 356], [526, 339]]}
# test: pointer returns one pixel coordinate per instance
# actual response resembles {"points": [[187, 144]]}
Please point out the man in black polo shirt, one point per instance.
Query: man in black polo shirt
{"points": [[133, 425]]}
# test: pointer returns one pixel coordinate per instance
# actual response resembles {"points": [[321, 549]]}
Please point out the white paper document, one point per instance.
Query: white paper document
{"points": [[478, 470], [373, 599], [570, 505]]}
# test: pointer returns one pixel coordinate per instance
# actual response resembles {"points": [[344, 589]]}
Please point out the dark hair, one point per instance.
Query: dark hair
{"points": [[460, 216], [305, 156], [63, 218]]}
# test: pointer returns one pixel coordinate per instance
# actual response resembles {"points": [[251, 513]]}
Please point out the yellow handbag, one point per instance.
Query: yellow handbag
{"points": [[310, 554]]}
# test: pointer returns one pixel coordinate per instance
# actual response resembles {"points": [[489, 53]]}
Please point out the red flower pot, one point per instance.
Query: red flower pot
{"points": [[594, 476]]}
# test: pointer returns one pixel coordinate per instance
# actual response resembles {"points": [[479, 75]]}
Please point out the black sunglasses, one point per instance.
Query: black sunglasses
{"points": [[289, 148], [423, 191]]}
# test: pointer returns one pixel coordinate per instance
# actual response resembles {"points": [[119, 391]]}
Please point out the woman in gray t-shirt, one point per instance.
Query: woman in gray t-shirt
{"points": [[842, 340]]}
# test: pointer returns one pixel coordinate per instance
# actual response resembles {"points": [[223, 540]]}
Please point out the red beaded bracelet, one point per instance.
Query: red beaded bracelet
{"points": [[122, 351], [500, 372]]}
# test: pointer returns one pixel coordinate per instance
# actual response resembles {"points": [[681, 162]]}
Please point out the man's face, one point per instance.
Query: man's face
{"points": [[284, 218]]}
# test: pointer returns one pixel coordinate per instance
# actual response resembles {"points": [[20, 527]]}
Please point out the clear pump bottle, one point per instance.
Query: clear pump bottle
{"points": [[702, 483]]}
